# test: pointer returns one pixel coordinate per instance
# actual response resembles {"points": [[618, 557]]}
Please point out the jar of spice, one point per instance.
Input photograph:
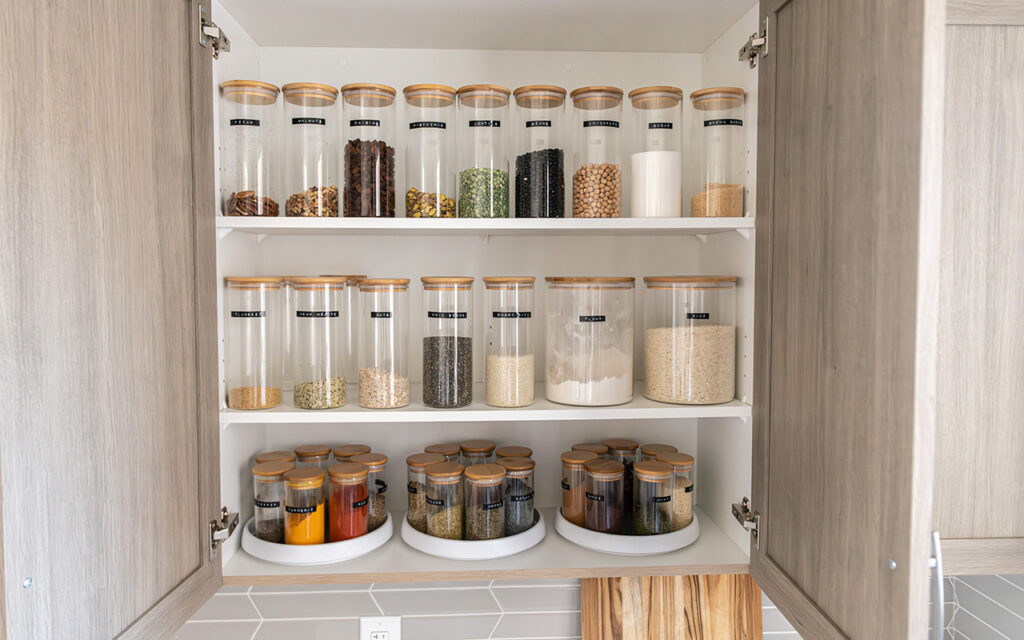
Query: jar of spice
{"points": [[690, 339], [590, 341], [417, 464], [274, 456], [268, 490], [344, 453], [429, 142], [652, 451], [383, 350], [368, 113], [657, 169], [597, 166], [574, 485], [451, 452], [682, 488], [445, 500], [313, 455], [348, 502], [350, 324], [653, 502], [513, 451], [518, 493], [305, 521], [318, 342], [485, 502], [252, 342], [483, 159], [447, 342], [376, 486], [596, 447], [540, 163], [624, 451], [311, 160], [604, 495], [248, 132], [508, 374], [477, 452], [719, 112]]}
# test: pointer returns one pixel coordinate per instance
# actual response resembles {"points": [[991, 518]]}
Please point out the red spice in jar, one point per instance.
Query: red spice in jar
{"points": [[347, 511]]}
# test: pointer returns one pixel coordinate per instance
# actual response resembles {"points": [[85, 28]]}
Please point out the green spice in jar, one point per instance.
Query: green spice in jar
{"points": [[483, 193]]}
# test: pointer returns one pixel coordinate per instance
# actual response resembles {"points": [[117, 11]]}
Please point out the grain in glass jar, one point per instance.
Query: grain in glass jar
{"points": [[429, 144], [318, 342], [485, 502], [652, 508], [477, 452], [604, 496], [274, 456], [513, 451], [417, 465], [540, 152], [682, 488], [719, 112], [518, 493], [368, 119], [574, 484], [483, 158], [447, 342], [652, 451], [445, 500], [597, 162], [252, 342], [624, 451], [305, 521], [311, 157], [657, 169], [451, 451], [248, 132], [383, 350], [376, 486], [509, 370], [350, 324], [347, 501], [268, 492], [344, 452], [596, 447]]}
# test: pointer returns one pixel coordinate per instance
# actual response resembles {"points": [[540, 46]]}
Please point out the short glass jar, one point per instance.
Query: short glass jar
{"points": [[682, 488], [483, 158], [624, 451], [597, 162], [719, 112], [318, 342], [445, 500], [376, 487], [417, 465], [596, 447], [447, 342], [252, 342], [451, 451], [248, 132], [313, 455], [477, 452], [652, 451], [274, 456], [657, 169], [574, 485], [305, 521], [518, 493], [485, 502], [429, 144], [604, 496], [344, 452], [509, 370], [540, 149], [268, 492], [311, 157], [652, 508], [347, 501], [513, 451], [383, 349], [368, 113]]}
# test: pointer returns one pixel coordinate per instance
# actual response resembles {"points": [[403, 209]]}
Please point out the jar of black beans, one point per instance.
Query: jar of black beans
{"points": [[447, 342], [540, 160]]}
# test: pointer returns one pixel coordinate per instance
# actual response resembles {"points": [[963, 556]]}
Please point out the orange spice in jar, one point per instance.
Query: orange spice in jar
{"points": [[304, 521], [574, 485]]}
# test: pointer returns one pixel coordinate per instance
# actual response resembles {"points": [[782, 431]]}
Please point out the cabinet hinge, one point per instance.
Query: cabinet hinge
{"points": [[210, 34], [756, 46], [750, 520], [221, 530]]}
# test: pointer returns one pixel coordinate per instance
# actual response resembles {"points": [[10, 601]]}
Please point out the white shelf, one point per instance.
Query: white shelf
{"points": [[541, 410], [554, 557]]}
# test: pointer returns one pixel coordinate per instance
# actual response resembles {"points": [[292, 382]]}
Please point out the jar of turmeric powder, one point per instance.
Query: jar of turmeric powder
{"points": [[304, 520]]}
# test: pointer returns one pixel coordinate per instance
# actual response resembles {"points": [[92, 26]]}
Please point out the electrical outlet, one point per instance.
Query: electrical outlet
{"points": [[380, 628]]}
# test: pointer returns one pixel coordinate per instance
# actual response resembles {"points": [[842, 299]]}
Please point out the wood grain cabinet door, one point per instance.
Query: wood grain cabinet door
{"points": [[849, 179], [109, 449]]}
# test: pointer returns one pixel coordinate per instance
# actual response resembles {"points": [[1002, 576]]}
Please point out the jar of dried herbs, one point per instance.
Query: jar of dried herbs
{"points": [[268, 492], [518, 493], [305, 521], [485, 502], [682, 488], [604, 496], [445, 500], [652, 451], [652, 511], [417, 464], [376, 486], [574, 484], [449, 450], [477, 452]]}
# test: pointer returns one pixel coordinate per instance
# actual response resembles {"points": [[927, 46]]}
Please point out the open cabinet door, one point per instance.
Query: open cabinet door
{"points": [[849, 179], [110, 449]]}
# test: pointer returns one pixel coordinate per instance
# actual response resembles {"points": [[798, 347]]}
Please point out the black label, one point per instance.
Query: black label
{"points": [[566, 487], [595, 497], [698, 316], [591, 318], [263, 504], [380, 314], [248, 314], [309, 121], [537, 123], [299, 509], [689, 489], [723, 121], [659, 125], [435, 502], [661, 499], [512, 314], [427, 125], [522, 498], [601, 123], [412, 488], [485, 123], [244, 122], [450, 315], [316, 314], [364, 123], [381, 486], [360, 503], [491, 506]]}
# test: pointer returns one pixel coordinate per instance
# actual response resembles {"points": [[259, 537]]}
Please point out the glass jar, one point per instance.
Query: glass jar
{"points": [[483, 160], [597, 165], [485, 502], [518, 493], [590, 341], [313, 455], [417, 464], [347, 501], [368, 117], [268, 492], [430, 110], [350, 322], [690, 339], [508, 374], [248, 131], [477, 452], [304, 521], [252, 342], [540, 148], [451, 452], [274, 456], [596, 447], [652, 451], [623, 450], [287, 331], [682, 488], [376, 486], [604, 496], [719, 112], [657, 169], [512, 451], [574, 485], [344, 452], [653, 498], [383, 349], [445, 513], [318, 342], [447, 342], [310, 150]]}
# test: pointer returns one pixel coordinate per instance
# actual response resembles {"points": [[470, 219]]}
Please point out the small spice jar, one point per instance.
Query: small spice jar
{"points": [[383, 350], [313, 455], [451, 452], [690, 339], [574, 484], [477, 452], [376, 486], [719, 112], [597, 166], [318, 342], [508, 374], [518, 493], [304, 521], [344, 453], [596, 447], [429, 143], [445, 500], [252, 342], [657, 169], [274, 456], [682, 488], [447, 342], [311, 161], [368, 117], [652, 451], [604, 491], [625, 451], [540, 163], [483, 159], [417, 464], [653, 499], [485, 502], [248, 132], [268, 492], [513, 451], [347, 501]]}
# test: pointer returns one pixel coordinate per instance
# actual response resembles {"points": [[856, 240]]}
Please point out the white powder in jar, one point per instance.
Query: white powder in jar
{"points": [[509, 380], [606, 391]]}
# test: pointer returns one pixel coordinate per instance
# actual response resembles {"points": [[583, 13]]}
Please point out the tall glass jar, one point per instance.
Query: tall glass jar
{"points": [[287, 330], [417, 465], [477, 452], [311, 149], [574, 485], [347, 501], [376, 486], [690, 339], [447, 342], [305, 521], [483, 158], [719, 111], [597, 162], [248, 131], [624, 451], [445, 500], [540, 149], [653, 450], [383, 350], [485, 502], [596, 447], [429, 143], [268, 492], [318, 342], [682, 488], [368, 112], [590, 341], [451, 451], [344, 452], [508, 374], [657, 169], [518, 493], [653, 498], [252, 342], [350, 322], [604, 496], [513, 451]]}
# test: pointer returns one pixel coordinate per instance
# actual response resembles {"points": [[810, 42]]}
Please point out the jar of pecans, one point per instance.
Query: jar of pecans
{"points": [[248, 132]]}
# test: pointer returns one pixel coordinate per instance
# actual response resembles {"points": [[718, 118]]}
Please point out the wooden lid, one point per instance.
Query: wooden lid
{"points": [[484, 96], [540, 96], [474, 88], [304, 282], [485, 472], [659, 97], [373, 459], [596, 447], [246, 281], [251, 92], [348, 471], [350, 280], [733, 91], [509, 282], [383, 282], [447, 283], [717, 98], [602, 467], [305, 477], [688, 279], [578, 456], [597, 97], [444, 448], [349, 450], [312, 450], [653, 470], [273, 456], [272, 468], [309, 94], [513, 463], [513, 451], [429, 95], [598, 280], [249, 84], [368, 94], [420, 460], [676, 459], [621, 444], [477, 446], [445, 470], [654, 449]]}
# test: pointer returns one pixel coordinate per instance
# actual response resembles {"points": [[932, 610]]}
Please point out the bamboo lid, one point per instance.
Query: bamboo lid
{"points": [[653, 470], [597, 97], [369, 283], [370, 459], [273, 456], [655, 449], [578, 456], [272, 468], [429, 95], [485, 472], [513, 451], [307, 283], [368, 94], [312, 450], [598, 281], [688, 279], [733, 91], [309, 94], [484, 96], [350, 280], [445, 470], [254, 282], [621, 444], [421, 460], [349, 450], [514, 463], [444, 449], [658, 97], [604, 468], [596, 447], [716, 98], [447, 283], [676, 459], [509, 282], [308, 477], [251, 92], [539, 96], [477, 446], [348, 471]]}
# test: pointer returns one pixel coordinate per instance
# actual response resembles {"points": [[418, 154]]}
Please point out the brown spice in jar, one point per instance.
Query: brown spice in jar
{"points": [[369, 179], [597, 191], [254, 397], [313, 203], [245, 203], [718, 200]]}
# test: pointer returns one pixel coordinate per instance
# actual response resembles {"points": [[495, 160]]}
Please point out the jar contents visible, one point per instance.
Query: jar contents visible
{"points": [[682, 488], [624, 451], [483, 193], [653, 503], [574, 485], [318, 334], [720, 119], [313, 202], [483, 160], [604, 496], [369, 179], [597, 179], [445, 500], [485, 503], [508, 375], [376, 487], [304, 506], [248, 133], [477, 452], [254, 397], [347, 501], [451, 451], [382, 389], [268, 491], [518, 493], [447, 342], [429, 172], [658, 166], [311, 149], [383, 349], [597, 191], [540, 159], [653, 450], [417, 464], [419, 204], [252, 342]]}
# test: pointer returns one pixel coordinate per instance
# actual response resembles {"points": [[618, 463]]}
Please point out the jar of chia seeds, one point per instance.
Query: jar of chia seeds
{"points": [[318, 342], [652, 509], [604, 496], [597, 161], [483, 155], [477, 452], [376, 487], [719, 113], [445, 500], [368, 120], [268, 492], [248, 132], [447, 342], [540, 149], [451, 451], [652, 451], [384, 345], [518, 493], [485, 502], [574, 485], [417, 465], [509, 370], [311, 154], [429, 144], [252, 342], [682, 488]]}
